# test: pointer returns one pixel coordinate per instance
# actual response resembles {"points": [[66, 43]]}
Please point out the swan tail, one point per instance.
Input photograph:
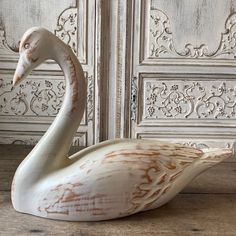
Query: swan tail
{"points": [[216, 154]]}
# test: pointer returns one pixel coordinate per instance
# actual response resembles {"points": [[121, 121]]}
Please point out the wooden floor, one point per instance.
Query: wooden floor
{"points": [[206, 207]]}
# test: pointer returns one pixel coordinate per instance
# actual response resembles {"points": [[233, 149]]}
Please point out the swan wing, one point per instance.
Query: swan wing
{"points": [[115, 181]]}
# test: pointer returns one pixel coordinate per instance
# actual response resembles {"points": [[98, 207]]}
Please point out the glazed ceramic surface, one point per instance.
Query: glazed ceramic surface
{"points": [[112, 179]]}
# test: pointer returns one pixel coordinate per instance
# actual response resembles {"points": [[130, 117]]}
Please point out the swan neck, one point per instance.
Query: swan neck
{"points": [[68, 119], [74, 81], [56, 142]]}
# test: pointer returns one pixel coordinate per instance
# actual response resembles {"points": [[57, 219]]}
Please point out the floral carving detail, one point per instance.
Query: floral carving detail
{"points": [[133, 102], [163, 99], [67, 27], [90, 98], [209, 144], [5, 49], [44, 100], [162, 43], [196, 145], [66, 30], [47, 101]]}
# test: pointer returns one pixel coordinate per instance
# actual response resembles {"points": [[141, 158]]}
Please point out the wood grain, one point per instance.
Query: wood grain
{"points": [[206, 207], [187, 214]]}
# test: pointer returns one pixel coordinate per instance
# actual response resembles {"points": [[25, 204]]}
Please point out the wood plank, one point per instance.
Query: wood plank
{"points": [[186, 215], [6, 180], [218, 179], [19, 152]]}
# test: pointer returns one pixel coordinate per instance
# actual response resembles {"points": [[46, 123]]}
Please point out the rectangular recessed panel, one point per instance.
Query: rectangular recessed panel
{"points": [[186, 99], [37, 97], [199, 30]]}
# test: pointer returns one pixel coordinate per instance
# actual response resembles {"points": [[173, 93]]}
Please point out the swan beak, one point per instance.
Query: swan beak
{"points": [[16, 79], [22, 70]]}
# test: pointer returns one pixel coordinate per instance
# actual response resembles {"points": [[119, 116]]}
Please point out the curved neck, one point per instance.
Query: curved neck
{"points": [[51, 151], [65, 125]]}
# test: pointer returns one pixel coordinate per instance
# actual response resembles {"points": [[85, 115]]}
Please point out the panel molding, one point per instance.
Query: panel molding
{"points": [[162, 43], [36, 101], [44, 100], [208, 105], [120, 60], [201, 142], [6, 52], [70, 28], [187, 97], [155, 41]]}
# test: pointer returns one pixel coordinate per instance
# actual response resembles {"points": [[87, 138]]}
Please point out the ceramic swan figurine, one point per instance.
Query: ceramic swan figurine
{"points": [[109, 180]]}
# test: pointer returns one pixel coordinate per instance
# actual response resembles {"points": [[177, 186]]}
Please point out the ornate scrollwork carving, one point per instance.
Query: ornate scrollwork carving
{"points": [[199, 145], [44, 100], [90, 98], [47, 101], [209, 144], [133, 99], [5, 49], [66, 30], [162, 43], [182, 100], [67, 27], [206, 145]]}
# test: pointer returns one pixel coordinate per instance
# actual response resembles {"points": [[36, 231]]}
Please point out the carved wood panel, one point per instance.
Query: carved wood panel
{"points": [[160, 69], [162, 44], [183, 79], [179, 30], [184, 98], [38, 99]]}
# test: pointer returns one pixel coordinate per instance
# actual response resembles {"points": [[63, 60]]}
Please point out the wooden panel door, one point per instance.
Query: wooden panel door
{"points": [[183, 86], [27, 110], [178, 80]]}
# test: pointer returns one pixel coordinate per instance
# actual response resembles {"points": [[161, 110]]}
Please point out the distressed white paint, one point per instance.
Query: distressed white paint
{"points": [[109, 180], [27, 111], [189, 52], [196, 21], [28, 14]]}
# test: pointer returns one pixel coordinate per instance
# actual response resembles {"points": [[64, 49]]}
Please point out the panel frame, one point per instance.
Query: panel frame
{"points": [[143, 9], [11, 127]]}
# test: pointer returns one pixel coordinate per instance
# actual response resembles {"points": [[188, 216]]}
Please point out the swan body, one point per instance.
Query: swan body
{"points": [[112, 179]]}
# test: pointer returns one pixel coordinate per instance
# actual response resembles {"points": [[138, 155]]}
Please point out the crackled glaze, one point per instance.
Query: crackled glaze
{"points": [[112, 179]]}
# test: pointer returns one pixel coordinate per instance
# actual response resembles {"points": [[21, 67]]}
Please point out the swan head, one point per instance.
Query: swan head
{"points": [[34, 48]]}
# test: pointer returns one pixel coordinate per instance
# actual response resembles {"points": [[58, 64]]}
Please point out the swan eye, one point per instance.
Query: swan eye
{"points": [[26, 46]]}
